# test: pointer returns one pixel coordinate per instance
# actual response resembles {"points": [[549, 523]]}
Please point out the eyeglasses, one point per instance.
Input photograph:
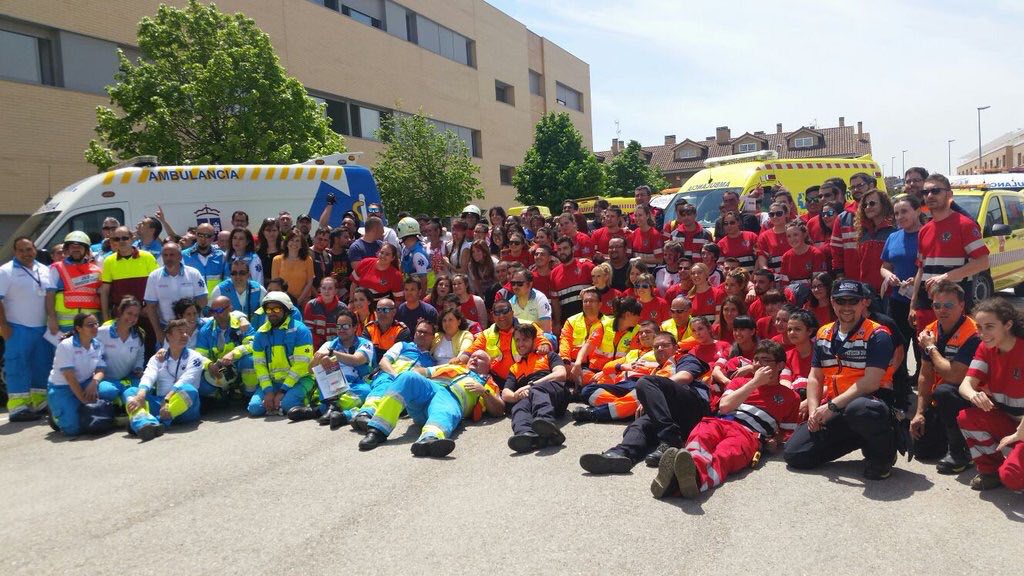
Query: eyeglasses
{"points": [[218, 310], [730, 222], [817, 286], [777, 214], [239, 272], [931, 191], [518, 283], [203, 235], [121, 238], [346, 326], [385, 309], [871, 203], [941, 305], [846, 301]]}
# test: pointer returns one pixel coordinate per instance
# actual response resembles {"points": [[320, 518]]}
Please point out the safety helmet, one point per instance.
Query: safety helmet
{"points": [[472, 209], [407, 226], [278, 298], [78, 237]]}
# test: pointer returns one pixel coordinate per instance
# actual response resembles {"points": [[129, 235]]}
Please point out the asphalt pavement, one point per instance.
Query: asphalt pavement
{"points": [[234, 495]]}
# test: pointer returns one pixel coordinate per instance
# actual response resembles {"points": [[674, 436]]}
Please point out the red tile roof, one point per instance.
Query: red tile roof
{"points": [[841, 141]]}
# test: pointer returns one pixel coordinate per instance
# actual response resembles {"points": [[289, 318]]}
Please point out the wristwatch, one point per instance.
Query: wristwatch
{"points": [[833, 407], [929, 349]]}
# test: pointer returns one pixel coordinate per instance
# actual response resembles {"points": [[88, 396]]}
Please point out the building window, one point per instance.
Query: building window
{"points": [[468, 135], [687, 153], [747, 147], [504, 93], [568, 97], [446, 42], [26, 58], [505, 175], [361, 17], [536, 83], [803, 142]]}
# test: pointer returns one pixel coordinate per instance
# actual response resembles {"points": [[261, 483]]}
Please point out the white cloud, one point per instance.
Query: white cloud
{"points": [[912, 71]]}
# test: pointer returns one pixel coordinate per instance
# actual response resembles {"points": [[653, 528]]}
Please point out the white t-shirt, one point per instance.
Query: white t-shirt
{"points": [[165, 290], [165, 375], [538, 307], [123, 356], [71, 354], [23, 292], [663, 280]]}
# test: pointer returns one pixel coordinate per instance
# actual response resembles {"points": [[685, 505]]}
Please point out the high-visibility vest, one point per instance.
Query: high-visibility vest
{"points": [[612, 345], [530, 364], [492, 343], [81, 290], [323, 323], [963, 332], [670, 326], [383, 339], [841, 372], [580, 331]]}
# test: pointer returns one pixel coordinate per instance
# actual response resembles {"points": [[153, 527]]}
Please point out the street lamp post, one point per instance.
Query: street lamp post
{"points": [[980, 108], [904, 161], [949, 156], [892, 167]]}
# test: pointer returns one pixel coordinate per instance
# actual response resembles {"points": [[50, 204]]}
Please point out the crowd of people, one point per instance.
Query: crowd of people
{"points": [[775, 331]]}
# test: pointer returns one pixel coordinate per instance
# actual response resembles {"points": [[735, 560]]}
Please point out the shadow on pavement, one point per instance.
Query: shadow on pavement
{"points": [[902, 484], [8, 428], [1009, 503]]}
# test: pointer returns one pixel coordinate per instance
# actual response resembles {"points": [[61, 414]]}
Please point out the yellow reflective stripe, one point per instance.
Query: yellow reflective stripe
{"points": [[108, 178], [143, 175]]}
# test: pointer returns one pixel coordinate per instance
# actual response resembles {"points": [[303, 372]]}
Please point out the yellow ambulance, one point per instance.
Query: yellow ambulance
{"points": [[764, 170], [999, 212]]}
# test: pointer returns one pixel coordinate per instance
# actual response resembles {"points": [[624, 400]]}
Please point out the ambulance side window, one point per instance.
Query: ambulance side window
{"points": [[1014, 211], [89, 222], [993, 214]]}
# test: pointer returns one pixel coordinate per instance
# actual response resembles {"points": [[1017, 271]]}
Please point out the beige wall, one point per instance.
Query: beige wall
{"points": [[46, 129], [999, 160]]}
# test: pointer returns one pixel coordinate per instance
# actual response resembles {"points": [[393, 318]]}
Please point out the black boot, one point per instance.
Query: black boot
{"points": [[337, 419], [958, 458], [549, 431], [300, 413], [372, 439], [523, 443], [360, 422], [654, 458], [613, 461], [584, 414], [433, 447]]}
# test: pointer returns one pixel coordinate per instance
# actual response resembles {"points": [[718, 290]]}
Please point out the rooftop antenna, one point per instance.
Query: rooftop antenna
{"points": [[618, 131]]}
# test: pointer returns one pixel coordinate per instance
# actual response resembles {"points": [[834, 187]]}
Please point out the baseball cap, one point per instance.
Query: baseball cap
{"points": [[304, 217], [853, 288]]}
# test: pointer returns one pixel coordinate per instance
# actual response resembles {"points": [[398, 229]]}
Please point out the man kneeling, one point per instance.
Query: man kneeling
{"points": [[437, 398], [752, 412], [535, 388]]}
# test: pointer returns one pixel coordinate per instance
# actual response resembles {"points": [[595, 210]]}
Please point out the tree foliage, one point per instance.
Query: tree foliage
{"points": [[630, 169], [558, 166], [208, 89], [422, 170]]}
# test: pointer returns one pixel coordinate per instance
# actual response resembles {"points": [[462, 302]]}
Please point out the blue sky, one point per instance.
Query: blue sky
{"points": [[912, 71]]}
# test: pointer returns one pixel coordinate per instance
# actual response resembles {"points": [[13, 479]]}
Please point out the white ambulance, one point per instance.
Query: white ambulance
{"points": [[192, 195]]}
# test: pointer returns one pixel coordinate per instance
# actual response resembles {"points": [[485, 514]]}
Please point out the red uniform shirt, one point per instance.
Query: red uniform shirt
{"points": [[648, 243], [799, 368], [583, 246], [567, 281], [606, 300], [602, 236], [710, 353], [524, 258], [693, 240], [803, 266], [766, 327], [706, 303], [742, 248], [542, 284], [1001, 375], [946, 245], [772, 245], [780, 402], [656, 309], [387, 282], [723, 333]]}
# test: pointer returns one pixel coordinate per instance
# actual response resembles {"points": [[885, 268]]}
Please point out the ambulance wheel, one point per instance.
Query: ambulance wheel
{"points": [[1019, 289], [981, 287]]}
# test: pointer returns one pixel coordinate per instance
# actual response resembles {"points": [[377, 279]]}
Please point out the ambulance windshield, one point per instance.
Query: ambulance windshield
{"points": [[32, 228], [708, 203]]}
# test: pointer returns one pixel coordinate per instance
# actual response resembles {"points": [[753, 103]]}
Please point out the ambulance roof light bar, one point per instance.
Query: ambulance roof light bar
{"points": [[760, 155], [336, 159]]}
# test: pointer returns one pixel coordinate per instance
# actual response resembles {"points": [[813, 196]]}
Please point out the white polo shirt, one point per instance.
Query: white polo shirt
{"points": [[164, 289], [165, 375], [71, 354], [537, 307], [123, 356], [23, 292]]}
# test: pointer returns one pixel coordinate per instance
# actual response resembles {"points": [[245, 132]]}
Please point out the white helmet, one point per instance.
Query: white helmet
{"points": [[407, 226], [78, 237], [279, 298], [472, 209]]}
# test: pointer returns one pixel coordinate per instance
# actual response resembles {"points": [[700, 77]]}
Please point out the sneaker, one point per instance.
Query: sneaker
{"points": [[300, 413], [612, 461], [686, 474], [584, 414], [150, 431], [653, 460], [664, 484], [360, 422], [549, 431], [875, 471], [985, 482], [523, 443], [950, 465], [337, 419], [372, 439], [432, 447]]}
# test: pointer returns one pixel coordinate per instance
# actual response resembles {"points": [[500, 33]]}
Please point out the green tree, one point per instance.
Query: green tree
{"points": [[630, 169], [208, 89], [422, 170], [558, 166]]}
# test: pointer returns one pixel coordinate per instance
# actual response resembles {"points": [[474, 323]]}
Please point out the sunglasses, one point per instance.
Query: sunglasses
{"points": [[121, 238], [515, 242], [203, 235], [109, 228], [218, 310], [931, 191], [941, 305], [828, 212], [346, 326], [777, 214], [871, 203], [502, 311], [644, 285], [846, 301], [517, 283], [812, 199], [385, 309], [274, 308], [239, 272]]}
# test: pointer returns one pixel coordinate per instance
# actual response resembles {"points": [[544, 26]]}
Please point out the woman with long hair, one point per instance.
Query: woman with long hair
{"points": [[737, 243], [899, 264], [295, 265], [646, 242], [820, 300], [737, 283], [269, 243], [874, 225], [123, 347], [741, 356], [380, 274], [482, 275], [362, 304], [771, 242], [801, 329], [498, 242], [636, 269], [496, 216], [471, 305], [802, 260], [544, 236], [705, 346], [242, 247], [453, 338], [517, 251], [993, 421], [653, 306], [441, 288], [77, 374], [456, 250], [732, 308], [704, 298], [601, 278]]}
